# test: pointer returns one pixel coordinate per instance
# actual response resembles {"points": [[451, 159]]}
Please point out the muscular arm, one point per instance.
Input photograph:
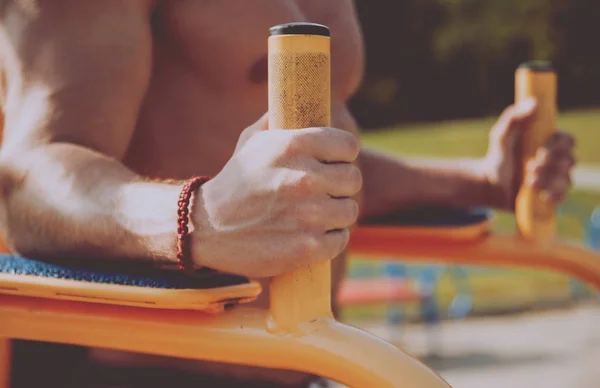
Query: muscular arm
{"points": [[76, 73], [391, 183]]}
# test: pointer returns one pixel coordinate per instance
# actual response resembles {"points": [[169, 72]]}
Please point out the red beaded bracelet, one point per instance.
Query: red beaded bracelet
{"points": [[184, 258]]}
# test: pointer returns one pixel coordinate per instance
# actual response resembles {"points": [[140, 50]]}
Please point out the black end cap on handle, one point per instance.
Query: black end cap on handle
{"points": [[299, 28], [537, 66]]}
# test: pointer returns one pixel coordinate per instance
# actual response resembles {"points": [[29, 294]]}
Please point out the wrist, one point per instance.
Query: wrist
{"points": [[495, 193], [477, 187], [201, 229], [492, 195], [467, 183]]}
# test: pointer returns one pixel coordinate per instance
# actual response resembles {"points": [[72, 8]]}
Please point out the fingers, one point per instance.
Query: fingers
{"points": [[511, 119], [330, 145], [524, 109], [553, 183], [561, 140], [326, 214], [315, 246], [322, 247], [339, 213], [262, 123], [322, 180], [340, 179], [321, 229], [550, 170], [334, 242]]}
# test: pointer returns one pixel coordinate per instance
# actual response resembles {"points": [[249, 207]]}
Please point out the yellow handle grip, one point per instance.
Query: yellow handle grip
{"points": [[299, 97], [535, 213]]}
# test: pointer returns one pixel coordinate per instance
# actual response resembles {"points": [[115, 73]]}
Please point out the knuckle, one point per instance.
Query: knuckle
{"points": [[349, 177], [306, 137], [308, 248], [309, 214], [350, 212], [291, 145], [355, 177], [509, 110], [507, 114], [543, 154], [304, 182], [344, 239], [533, 166], [351, 144], [354, 210]]}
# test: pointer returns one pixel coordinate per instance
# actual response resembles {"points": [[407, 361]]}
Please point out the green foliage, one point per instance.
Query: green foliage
{"points": [[469, 138], [446, 59], [488, 29]]}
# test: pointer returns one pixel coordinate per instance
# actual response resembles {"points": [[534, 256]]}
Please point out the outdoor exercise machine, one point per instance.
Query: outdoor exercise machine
{"points": [[171, 314]]}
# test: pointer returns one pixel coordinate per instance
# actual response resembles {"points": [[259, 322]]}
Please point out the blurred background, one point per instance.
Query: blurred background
{"points": [[438, 74], [448, 59]]}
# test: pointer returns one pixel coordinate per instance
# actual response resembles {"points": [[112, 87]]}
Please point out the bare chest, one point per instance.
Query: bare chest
{"points": [[209, 81]]}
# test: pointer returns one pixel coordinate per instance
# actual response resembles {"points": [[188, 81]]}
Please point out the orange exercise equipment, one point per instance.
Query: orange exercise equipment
{"points": [[376, 290], [298, 333], [465, 237]]}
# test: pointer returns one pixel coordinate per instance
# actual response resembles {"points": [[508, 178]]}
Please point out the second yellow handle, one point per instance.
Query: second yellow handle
{"points": [[535, 213]]}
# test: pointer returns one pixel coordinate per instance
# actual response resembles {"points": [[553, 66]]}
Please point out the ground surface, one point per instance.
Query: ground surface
{"points": [[559, 349]]}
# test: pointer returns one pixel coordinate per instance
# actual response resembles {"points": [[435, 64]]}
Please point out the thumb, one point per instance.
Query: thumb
{"points": [[261, 124], [506, 130]]}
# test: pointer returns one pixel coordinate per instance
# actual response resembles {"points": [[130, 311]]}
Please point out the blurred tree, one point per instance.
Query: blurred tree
{"points": [[578, 52], [399, 61], [492, 32], [443, 59]]}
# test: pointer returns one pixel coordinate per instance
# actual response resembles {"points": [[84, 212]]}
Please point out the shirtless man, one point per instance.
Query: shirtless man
{"points": [[110, 105]]}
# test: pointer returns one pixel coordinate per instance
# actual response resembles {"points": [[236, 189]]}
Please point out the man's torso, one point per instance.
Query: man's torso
{"points": [[209, 78], [209, 82]]}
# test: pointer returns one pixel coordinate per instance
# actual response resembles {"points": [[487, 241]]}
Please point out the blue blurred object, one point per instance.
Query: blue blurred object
{"points": [[395, 311], [590, 226], [427, 280], [395, 269], [463, 300], [594, 234], [594, 229], [430, 311]]}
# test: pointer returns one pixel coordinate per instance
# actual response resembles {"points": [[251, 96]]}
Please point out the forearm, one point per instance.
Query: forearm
{"points": [[390, 183], [65, 201]]}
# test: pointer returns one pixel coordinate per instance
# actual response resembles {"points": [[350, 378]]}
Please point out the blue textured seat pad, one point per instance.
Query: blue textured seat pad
{"points": [[430, 217], [130, 274]]}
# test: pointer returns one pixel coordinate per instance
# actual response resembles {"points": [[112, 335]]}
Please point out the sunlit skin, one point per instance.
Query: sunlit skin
{"points": [[110, 105]]}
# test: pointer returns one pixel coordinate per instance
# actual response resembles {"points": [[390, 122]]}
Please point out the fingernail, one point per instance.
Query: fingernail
{"points": [[525, 106]]}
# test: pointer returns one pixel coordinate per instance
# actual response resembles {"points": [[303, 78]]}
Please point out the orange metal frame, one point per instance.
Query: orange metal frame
{"points": [[299, 332], [486, 249]]}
